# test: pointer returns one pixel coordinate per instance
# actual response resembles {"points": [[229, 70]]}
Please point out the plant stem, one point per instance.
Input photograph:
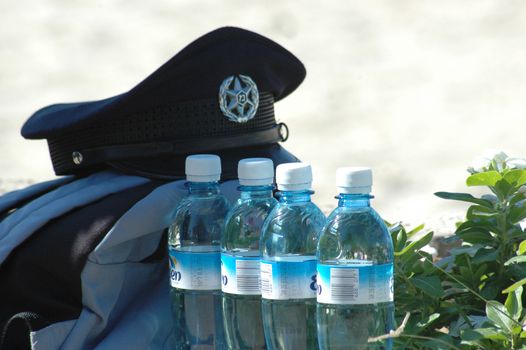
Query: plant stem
{"points": [[502, 224]]}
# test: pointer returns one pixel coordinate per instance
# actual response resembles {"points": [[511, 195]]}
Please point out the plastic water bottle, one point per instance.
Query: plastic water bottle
{"points": [[355, 269], [195, 262], [240, 255], [288, 262]]}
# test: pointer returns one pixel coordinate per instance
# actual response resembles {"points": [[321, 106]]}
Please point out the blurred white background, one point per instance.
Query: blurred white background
{"points": [[415, 89]]}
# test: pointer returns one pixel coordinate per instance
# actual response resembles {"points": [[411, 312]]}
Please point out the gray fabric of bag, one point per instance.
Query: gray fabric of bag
{"points": [[126, 302]]}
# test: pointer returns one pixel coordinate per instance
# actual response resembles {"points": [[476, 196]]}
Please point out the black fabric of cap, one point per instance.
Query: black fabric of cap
{"points": [[175, 111]]}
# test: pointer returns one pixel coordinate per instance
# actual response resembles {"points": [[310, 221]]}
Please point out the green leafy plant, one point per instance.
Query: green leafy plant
{"points": [[473, 298], [418, 291]]}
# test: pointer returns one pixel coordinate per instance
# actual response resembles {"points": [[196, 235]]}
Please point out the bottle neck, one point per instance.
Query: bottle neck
{"points": [[203, 188], [255, 192], [354, 200], [302, 196]]}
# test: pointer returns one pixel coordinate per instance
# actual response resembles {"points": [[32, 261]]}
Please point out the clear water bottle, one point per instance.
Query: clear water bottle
{"points": [[288, 262], [355, 269], [195, 263], [240, 255]]}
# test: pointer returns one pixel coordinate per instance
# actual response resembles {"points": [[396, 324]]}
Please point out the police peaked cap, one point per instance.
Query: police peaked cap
{"points": [[215, 96]]}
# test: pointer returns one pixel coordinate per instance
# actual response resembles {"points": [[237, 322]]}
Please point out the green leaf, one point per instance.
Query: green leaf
{"points": [[517, 272], [446, 262], [522, 248], [516, 260], [514, 286], [401, 240], [416, 245], [515, 233], [465, 273], [474, 237], [483, 333], [469, 250], [426, 322], [479, 226], [488, 178], [516, 177], [490, 290], [455, 291], [480, 271], [504, 188], [409, 261], [429, 285], [415, 230], [479, 211], [517, 197], [485, 255], [517, 213], [464, 197], [394, 228], [514, 303], [498, 314], [466, 322], [427, 266]]}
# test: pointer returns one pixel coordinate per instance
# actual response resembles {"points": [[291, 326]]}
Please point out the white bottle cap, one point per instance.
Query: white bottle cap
{"points": [[203, 168], [294, 177], [255, 171], [354, 180]]}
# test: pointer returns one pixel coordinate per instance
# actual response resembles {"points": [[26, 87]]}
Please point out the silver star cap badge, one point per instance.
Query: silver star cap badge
{"points": [[238, 98]]}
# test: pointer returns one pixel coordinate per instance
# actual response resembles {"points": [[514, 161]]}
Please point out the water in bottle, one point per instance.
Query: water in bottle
{"points": [[240, 255], [355, 269], [288, 262], [194, 255]]}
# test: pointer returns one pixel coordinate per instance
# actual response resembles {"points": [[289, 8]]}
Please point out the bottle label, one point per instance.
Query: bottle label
{"points": [[195, 270], [355, 284], [286, 279], [240, 275]]}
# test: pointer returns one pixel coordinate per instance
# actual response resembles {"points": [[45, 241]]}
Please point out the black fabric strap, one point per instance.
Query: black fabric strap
{"points": [[15, 334]]}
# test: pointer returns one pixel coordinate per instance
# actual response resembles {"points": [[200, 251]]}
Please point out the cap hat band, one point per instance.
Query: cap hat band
{"points": [[151, 133]]}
